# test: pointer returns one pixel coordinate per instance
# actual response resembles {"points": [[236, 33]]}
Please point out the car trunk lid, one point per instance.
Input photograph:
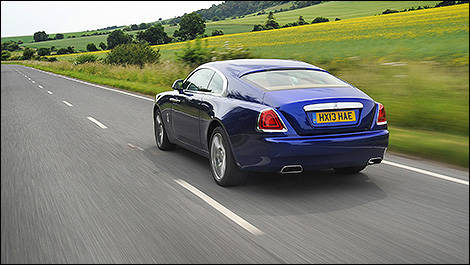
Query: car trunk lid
{"points": [[312, 111]]}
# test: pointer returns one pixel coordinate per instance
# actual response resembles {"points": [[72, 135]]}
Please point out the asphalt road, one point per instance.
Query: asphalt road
{"points": [[73, 191]]}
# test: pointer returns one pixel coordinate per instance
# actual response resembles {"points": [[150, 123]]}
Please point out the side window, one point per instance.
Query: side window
{"points": [[217, 84], [199, 80]]}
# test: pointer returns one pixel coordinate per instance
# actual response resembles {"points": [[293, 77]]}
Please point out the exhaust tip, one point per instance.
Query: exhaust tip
{"points": [[292, 169], [375, 160]]}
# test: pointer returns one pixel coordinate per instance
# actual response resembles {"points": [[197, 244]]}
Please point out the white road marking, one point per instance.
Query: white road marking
{"points": [[219, 207], [67, 103], [33, 81], [50, 93], [40, 86], [97, 122], [90, 84], [135, 147], [422, 171]]}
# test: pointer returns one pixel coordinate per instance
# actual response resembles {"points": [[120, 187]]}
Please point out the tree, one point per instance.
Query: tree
{"points": [[118, 37], [70, 49], [134, 27], [44, 51], [271, 23], [91, 47], [59, 36], [320, 20], [336, 19], [154, 35], [217, 32], [301, 21], [28, 53], [144, 25], [135, 53], [40, 36], [191, 25], [102, 46]]}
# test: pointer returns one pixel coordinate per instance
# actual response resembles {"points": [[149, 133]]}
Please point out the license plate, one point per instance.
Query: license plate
{"points": [[335, 116]]}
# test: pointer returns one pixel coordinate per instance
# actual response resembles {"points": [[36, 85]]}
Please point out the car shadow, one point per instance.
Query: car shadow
{"points": [[272, 194]]}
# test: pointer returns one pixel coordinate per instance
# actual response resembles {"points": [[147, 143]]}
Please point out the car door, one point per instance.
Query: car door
{"points": [[187, 106], [212, 99]]}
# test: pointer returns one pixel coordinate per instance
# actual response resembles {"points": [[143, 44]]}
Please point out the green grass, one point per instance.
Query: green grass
{"points": [[437, 146], [331, 10]]}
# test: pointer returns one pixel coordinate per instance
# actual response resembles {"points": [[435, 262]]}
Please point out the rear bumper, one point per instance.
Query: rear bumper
{"points": [[269, 154]]}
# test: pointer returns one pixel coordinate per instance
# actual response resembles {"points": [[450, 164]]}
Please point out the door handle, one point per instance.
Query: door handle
{"points": [[174, 100]]}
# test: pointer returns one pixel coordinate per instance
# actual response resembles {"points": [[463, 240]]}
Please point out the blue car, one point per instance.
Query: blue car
{"points": [[269, 115]]}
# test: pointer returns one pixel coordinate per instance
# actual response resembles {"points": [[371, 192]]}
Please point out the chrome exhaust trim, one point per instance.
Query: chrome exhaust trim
{"points": [[292, 169], [374, 160]]}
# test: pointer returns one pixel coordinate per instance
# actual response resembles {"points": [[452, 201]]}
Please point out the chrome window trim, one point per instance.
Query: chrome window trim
{"points": [[333, 106], [224, 88], [264, 130]]}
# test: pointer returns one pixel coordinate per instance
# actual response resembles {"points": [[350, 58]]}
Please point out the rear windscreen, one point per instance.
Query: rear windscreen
{"points": [[292, 79]]}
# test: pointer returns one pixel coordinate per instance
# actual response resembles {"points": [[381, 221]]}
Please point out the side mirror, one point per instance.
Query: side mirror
{"points": [[178, 85]]}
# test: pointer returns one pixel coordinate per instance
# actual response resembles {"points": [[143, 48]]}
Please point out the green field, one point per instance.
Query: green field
{"points": [[331, 10]]}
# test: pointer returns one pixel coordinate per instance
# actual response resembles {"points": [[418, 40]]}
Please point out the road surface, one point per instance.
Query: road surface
{"points": [[83, 182]]}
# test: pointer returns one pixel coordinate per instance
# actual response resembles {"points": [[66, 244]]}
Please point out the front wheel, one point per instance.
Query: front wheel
{"points": [[223, 167], [160, 133]]}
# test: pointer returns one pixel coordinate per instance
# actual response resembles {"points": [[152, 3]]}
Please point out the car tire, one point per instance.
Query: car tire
{"points": [[222, 163], [161, 138], [349, 170]]}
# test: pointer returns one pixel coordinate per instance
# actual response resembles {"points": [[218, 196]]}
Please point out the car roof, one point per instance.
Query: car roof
{"points": [[241, 67]]}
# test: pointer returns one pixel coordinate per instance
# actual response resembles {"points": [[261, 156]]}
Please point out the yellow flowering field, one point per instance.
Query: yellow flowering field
{"points": [[431, 32]]}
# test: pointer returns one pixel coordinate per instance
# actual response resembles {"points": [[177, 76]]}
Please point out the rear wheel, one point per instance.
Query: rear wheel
{"points": [[223, 167], [349, 170], [161, 137]]}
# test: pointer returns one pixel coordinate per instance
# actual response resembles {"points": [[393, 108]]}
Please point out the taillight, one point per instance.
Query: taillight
{"points": [[381, 119], [268, 121]]}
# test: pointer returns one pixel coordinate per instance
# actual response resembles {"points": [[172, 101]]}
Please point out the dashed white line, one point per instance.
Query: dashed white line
{"points": [[135, 147], [40, 86], [429, 173], [102, 126], [33, 81], [219, 207], [67, 103], [50, 93]]}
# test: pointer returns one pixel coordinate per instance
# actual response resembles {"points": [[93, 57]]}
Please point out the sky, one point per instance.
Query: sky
{"points": [[26, 17]]}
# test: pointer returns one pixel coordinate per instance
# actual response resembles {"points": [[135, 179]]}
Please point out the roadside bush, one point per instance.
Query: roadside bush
{"points": [[135, 54], [52, 59], [28, 53], [320, 20], [5, 55], [85, 58]]}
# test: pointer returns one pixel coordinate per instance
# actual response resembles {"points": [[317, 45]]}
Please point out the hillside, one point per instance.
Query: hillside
{"points": [[331, 10]]}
